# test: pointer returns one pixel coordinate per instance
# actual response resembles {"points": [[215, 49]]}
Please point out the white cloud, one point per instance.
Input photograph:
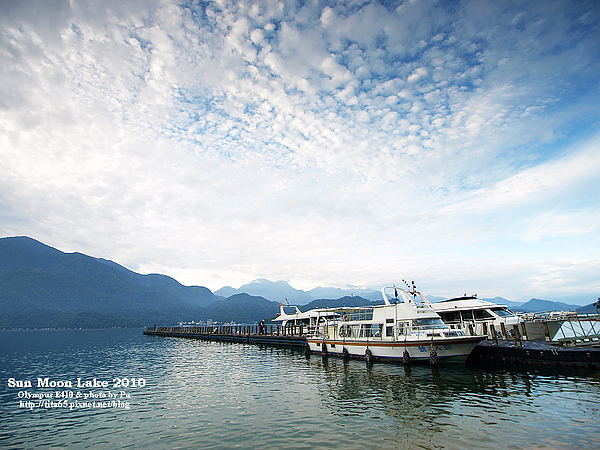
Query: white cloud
{"points": [[419, 73], [574, 176], [335, 145]]}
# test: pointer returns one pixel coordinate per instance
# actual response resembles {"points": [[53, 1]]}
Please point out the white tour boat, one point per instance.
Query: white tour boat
{"points": [[405, 328], [474, 316]]}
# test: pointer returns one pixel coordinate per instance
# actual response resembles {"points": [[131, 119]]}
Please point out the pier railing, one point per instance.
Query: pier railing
{"points": [[242, 330], [566, 331]]}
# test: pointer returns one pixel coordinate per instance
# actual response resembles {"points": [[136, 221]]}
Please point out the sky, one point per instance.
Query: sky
{"points": [[323, 143]]}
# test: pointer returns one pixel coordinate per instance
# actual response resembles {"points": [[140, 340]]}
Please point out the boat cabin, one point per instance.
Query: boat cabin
{"points": [[471, 314]]}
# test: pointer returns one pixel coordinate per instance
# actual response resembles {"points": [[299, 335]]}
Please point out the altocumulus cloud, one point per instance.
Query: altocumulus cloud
{"points": [[323, 143]]}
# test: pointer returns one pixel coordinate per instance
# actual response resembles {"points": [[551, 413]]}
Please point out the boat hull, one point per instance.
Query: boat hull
{"points": [[446, 350]]}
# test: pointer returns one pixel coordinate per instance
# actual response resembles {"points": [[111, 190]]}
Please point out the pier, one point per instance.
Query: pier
{"points": [[503, 352], [538, 353], [269, 335]]}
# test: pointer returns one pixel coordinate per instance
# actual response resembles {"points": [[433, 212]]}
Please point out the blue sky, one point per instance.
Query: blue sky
{"points": [[320, 143]]}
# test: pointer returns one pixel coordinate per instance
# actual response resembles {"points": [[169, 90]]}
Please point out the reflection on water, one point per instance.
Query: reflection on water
{"points": [[219, 395], [448, 406]]}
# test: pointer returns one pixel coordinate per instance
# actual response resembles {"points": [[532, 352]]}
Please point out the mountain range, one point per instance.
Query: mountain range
{"points": [[41, 287], [278, 291]]}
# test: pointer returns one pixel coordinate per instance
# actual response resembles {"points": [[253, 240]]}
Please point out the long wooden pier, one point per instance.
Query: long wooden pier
{"points": [[495, 353], [270, 335]]}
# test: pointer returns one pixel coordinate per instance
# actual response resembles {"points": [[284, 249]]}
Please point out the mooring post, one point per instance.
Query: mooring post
{"points": [[518, 342], [503, 328], [546, 331], [524, 331], [494, 335]]}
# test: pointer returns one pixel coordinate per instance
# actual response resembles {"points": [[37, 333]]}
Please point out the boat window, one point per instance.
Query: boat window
{"points": [[429, 323], [502, 312], [467, 316], [403, 328], [482, 314], [289, 310], [451, 317], [362, 314], [371, 330], [345, 331], [389, 331]]}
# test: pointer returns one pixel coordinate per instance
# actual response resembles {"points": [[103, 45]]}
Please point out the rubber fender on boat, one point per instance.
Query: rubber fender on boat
{"points": [[368, 356], [324, 348], [433, 357], [346, 353], [406, 357]]}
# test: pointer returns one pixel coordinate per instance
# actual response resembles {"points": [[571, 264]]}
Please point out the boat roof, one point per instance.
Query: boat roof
{"points": [[464, 303], [318, 312]]}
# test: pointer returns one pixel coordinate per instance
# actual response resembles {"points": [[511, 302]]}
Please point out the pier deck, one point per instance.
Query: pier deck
{"points": [[507, 353], [247, 338], [535, 353]]}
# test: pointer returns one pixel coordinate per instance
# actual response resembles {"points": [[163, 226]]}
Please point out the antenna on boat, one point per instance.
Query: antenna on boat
{"points": [[286, 301], [412, 288]]}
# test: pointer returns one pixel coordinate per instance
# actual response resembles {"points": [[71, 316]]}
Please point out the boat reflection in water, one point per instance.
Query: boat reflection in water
{"points": [[460, 406]]}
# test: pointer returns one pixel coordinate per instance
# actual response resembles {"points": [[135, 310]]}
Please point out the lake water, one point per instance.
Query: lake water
{"points": [[196, 394]]}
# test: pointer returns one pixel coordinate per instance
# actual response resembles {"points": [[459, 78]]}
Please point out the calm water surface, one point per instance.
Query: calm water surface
{"points": [[217, 395]]}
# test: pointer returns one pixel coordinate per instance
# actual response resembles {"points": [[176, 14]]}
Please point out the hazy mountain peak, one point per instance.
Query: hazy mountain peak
{"points": [[271, 290]]}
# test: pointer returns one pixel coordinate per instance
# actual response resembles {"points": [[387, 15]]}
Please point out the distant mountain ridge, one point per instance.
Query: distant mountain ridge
{"points": [[275, 291], [41, 286], [538, 305], [278, 291]]}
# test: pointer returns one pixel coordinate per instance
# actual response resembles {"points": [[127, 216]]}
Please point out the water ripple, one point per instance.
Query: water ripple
{"points": [[218, 395]]}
